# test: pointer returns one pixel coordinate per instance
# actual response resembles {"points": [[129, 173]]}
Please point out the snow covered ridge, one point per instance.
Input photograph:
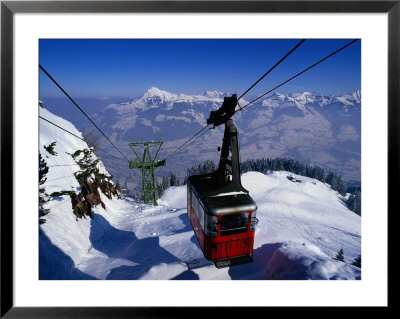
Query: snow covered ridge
{"points": [[312, 99], [154, 97], [301, 227]]}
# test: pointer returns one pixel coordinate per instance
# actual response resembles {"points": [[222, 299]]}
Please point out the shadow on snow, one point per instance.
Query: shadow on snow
{"points": [[257, 269], [116, 243], [54, 264]]}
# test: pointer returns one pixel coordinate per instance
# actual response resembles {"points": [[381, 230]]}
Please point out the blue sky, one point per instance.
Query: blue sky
{"points": [[127, 68]]}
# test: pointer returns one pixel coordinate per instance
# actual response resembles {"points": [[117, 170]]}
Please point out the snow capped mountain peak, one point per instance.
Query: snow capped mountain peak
{"points": [[214, 94], [155, 93], [303, 94], [274, 100], [351, 98], [277, 95], [306, 99]]}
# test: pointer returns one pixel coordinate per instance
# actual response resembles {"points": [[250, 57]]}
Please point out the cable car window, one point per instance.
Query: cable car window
{"points": [[198, 210], [234, 224], [200, 214], [254, 221], [211, 225]]}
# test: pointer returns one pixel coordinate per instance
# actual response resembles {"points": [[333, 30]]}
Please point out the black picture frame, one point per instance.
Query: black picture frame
{"points": [[9, 8]]}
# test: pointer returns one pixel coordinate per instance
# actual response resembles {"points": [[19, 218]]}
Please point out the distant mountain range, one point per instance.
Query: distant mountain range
{"points": [[309, 127]]}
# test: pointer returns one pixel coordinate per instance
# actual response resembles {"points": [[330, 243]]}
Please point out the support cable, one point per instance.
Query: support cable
{"points": [[199, 136], [276, 64], [295, 76], [180, 148], [80, 109], [76, 136]]}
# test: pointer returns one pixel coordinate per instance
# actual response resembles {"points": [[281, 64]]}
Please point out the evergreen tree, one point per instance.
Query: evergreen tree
{"points": [[120, 188], [208, 167], [160, 189], [43, 197], [174, 180], [43, 170], [341, 186], [309, 171], [331, 179], [50, 148], [321, 174], [202, 168], [165, 183], [354, 202], [336, 182], [340, 255], [357, 262]]}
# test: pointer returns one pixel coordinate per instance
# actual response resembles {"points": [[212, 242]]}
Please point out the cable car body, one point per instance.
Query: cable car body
{"points": [[220, 209]]}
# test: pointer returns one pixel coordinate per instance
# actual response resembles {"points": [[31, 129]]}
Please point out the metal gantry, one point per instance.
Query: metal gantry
{"points": [[147, 165]]}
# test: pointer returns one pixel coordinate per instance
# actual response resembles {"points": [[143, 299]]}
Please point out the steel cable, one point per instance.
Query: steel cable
{"points": [[80, 109], [77, 136], [295, 76], [276, 64]]}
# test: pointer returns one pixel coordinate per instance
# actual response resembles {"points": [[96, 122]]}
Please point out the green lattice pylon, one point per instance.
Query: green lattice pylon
{"points": [[147, 165]]}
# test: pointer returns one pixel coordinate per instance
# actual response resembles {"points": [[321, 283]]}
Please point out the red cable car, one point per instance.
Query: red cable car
{"points": [[222, 213]]}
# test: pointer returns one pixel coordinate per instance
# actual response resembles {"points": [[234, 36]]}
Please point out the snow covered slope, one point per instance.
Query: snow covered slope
{"points": [[302, 225]]}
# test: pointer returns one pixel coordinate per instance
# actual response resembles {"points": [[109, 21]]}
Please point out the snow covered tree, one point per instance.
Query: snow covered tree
{"points": [[354, 202], [201, 168], [340, 255], [160, 189], [321, 174], [277, 164], [174, 180], [165, 182], [50, 148], [43, 197], [336, 182], [120, 188], [43, 170], [341, 186], [208, 167], [331, 179]]}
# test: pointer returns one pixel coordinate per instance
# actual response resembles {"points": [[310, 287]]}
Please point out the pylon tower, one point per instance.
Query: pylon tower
{"points": [[147, 165]]}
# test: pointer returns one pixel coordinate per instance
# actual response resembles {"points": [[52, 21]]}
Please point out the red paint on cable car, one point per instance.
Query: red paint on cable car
{"points": [[223, 237]]}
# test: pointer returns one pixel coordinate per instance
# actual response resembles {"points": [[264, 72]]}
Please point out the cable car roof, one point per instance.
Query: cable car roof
{"points": [[231, 200], [221, 205]]}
